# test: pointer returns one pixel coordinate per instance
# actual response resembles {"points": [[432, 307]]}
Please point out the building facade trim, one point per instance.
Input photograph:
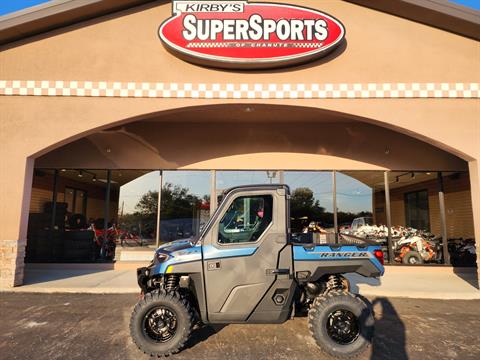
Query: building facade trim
{"points": [[238, 91]]}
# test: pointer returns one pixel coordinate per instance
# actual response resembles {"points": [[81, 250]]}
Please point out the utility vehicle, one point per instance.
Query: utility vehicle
{"points": [[245, 268]]}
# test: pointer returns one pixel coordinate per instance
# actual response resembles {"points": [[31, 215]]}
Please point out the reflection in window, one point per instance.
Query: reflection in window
{"points": [[311, 205], [354, 198], [137, 206], [246, 219], [360, 216], [185, 204]]}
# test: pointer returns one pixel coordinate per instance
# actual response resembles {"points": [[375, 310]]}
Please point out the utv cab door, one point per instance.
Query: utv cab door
{"points": [[246, 260]]}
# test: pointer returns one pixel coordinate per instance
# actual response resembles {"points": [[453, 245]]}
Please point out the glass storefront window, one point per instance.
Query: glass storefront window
{"points": [[311, 205], [230, 178], [416, 221], [362, 208], [66, 216], [185, 205], [416, 210], [355, 198], [73, 229], [76, 201], [137, 206]]}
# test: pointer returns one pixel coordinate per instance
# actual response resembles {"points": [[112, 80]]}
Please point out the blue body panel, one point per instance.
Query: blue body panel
{"points": [[183, 251], [344, 252], [180, 251]]}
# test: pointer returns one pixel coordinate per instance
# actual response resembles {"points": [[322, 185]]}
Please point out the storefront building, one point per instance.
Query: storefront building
{"points": [[104, 122]]}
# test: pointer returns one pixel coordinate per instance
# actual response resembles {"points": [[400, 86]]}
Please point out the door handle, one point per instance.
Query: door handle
{"points": [[213, 265], [278, 271]]}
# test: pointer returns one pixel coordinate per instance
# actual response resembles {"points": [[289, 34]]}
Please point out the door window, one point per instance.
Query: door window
{"points": [[246, 219]]}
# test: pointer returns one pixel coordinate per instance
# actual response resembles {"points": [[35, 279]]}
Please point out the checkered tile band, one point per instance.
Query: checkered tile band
{"points": [[239, 91]]}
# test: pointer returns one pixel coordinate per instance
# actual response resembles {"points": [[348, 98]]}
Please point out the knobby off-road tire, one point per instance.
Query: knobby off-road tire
{"points": [[156, 312], [341, 324]]}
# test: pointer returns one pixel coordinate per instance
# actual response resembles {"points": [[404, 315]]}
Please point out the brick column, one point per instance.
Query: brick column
{"points": [[12, 253]]}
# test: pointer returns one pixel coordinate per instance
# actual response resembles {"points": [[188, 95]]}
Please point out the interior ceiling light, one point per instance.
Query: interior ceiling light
{"points": [[80, 174], [108, 150], [63, 170], [94, 178]]}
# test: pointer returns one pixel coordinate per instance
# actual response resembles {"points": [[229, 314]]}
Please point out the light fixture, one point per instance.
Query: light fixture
{"points": [[387, 151], [108, 150], [80, 173], [271, 175], [94, 178], [248, 109], [429, 173], [413, 175], [63, 170]]}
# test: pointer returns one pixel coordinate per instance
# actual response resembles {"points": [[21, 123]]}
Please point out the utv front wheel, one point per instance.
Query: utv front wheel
{"points": [[161, 323], [341, 324]]}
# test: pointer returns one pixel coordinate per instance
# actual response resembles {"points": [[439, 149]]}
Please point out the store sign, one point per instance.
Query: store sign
{"points": [[243, 35]]}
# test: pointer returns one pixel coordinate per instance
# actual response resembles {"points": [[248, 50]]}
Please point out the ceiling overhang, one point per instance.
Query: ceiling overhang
{"points": [[441, 14], [56, 14]]}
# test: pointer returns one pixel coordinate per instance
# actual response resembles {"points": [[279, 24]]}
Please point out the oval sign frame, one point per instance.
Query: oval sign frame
{"points": [[226, 62]]}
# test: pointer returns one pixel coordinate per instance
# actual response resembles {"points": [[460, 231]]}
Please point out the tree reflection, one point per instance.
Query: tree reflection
{"points": [[179, 208]]}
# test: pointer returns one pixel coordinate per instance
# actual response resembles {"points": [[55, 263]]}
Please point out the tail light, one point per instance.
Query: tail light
{"points": [[378, 255]]}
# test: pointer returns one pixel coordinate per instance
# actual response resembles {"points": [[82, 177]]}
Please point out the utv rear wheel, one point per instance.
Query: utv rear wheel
{"points": [[412, 258], [341, 324], [161, 323]]}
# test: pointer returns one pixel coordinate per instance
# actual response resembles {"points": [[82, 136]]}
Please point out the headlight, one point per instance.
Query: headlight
{"points": [[161, 257]]}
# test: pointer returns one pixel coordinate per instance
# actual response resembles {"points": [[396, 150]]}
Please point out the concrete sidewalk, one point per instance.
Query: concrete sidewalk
{"points": [[420, 283], [411, 282]]}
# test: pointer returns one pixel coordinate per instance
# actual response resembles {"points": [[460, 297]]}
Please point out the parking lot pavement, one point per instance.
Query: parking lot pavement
{"points": [[91, 326]]}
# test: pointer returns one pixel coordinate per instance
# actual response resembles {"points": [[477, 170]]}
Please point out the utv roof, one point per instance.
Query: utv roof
{"points": [[56, 14], [257, 187]]}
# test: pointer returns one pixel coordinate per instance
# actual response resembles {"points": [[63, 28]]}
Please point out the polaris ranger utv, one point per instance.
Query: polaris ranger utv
{"points": [[245, 268]]}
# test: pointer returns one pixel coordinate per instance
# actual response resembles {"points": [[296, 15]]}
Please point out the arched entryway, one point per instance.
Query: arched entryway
{"points": [[350, 170]]}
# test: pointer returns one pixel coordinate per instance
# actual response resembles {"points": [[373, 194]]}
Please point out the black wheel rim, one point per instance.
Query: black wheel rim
{"points": [[342, 327], [160, 324]]}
